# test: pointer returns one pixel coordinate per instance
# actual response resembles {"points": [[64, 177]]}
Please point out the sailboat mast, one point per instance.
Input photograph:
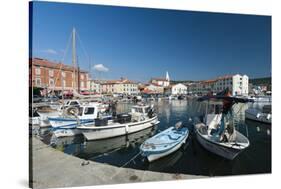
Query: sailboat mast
{"points": [[74, 57]]}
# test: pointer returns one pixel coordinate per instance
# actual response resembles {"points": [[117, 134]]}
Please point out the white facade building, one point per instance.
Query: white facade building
{"points": [[238, 84], [95, 86], [178, 89], [122, 86], [164, 82], [157, 89]]}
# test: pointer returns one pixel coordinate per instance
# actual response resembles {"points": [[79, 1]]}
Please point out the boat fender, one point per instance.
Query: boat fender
{"points": [[268, 116], [258, 115], [126, 129]]}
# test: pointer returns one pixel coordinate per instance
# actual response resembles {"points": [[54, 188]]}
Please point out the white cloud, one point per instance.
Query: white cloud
{"points": [[100, 68], [50, 51]]}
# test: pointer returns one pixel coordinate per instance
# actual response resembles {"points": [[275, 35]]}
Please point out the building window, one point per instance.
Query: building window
{"points": [[63, 74], [51, 73], [37, 70], [63, 83], [51, 82], [37, 81]]}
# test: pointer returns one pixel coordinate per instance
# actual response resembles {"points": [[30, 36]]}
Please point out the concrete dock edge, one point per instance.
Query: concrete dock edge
{"points": [[50, 168]]}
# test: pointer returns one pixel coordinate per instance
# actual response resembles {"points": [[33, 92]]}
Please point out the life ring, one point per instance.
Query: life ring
{"points": [[72, 111]]}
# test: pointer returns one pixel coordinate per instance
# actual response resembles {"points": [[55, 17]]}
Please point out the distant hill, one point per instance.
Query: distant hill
{"points": [[185, 81], [261, 81], [254, 81]]}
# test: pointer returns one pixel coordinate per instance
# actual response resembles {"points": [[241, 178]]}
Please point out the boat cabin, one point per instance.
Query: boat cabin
{"points": [[84, 111], [217, 123], [143, 109], [72, 103], [139, 112]]}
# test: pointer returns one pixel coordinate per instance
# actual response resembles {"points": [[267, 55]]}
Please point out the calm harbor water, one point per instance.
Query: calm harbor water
{"points": [[191, 158]]}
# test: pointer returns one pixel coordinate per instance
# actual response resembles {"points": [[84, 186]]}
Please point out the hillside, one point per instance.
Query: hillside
{"points": [[261, 81]]}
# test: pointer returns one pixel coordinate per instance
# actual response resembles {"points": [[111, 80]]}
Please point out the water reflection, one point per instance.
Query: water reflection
{"points": [[94, 148], [193, 158]]}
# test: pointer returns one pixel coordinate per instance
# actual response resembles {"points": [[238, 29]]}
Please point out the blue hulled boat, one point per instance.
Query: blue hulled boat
{"points": [[165, 142]]}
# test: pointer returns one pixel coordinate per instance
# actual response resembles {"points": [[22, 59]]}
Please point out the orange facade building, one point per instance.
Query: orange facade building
{"points": [[56, 76]]}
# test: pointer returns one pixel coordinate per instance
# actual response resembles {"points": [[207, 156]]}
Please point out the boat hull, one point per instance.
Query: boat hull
{"points": [[98, 132], [68, 123], [225, 152], [34, 120], [44, 122], [253, 116], [154, 157]]}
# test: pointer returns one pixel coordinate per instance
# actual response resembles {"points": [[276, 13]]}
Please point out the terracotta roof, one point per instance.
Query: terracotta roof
{"points": [[50, 64], [118, 82], [147, 91], [154, 84], [224, 77], [159, 79], [128, 82]]}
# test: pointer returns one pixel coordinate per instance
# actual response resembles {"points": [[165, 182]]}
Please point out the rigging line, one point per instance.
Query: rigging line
{"points": [[62, 60], [80, 41]]}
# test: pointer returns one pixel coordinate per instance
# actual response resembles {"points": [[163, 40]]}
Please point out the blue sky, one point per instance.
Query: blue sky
{"points": [[143, 43]]}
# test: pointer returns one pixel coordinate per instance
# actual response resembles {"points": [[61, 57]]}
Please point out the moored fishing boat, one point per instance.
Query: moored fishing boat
{"points": [[164, 143], [73, 116], [217, 133], [140, 118], [263, 115], [46, 111]]}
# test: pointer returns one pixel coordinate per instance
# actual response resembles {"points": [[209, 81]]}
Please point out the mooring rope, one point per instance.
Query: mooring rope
{"points": [[126, 164], [104, 154]]}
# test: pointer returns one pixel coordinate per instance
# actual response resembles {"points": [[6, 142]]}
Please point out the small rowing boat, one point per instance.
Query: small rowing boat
{"points": [[165, 142]]}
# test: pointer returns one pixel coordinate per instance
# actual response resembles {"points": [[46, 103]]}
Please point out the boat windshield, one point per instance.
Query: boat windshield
{"points": [[146, 109], [89, 111], [138, 109], [214, 108], [73, 103]]}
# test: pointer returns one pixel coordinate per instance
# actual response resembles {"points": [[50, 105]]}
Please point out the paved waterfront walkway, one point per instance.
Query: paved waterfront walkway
{"points": [[52, 168]]}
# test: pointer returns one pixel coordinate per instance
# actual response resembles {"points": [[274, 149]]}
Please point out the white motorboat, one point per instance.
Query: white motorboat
{"points": [[34, 118], [164, 143], [218, 134], [73, 116], [140, 118], [65, 124], [263, 115], [46, 112]]}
